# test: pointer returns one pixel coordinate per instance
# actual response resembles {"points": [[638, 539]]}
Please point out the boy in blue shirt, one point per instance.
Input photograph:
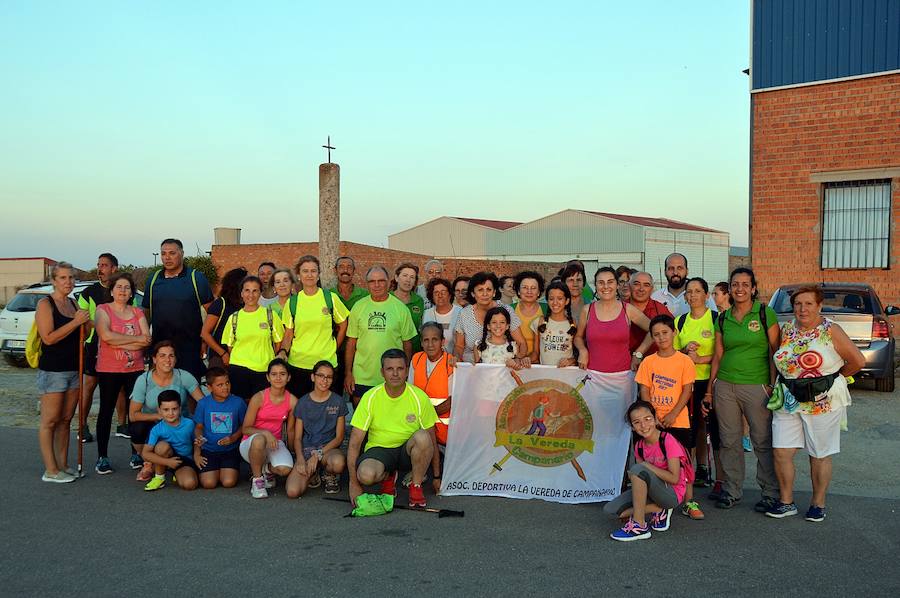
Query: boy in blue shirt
{"points": [[219, 418], [170, 445]]}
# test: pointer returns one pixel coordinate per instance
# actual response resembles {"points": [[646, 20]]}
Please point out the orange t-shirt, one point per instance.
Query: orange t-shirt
{"points": [[666, 377]]}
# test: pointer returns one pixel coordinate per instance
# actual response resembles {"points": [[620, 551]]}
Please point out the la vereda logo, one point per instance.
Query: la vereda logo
{"points": [[377, 320]]}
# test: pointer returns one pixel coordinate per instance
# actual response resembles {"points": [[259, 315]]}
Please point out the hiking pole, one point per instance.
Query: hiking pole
{"points": [[81, 417], [441, 513]]}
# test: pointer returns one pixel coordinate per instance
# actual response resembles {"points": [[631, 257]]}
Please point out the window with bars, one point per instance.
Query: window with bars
{"points": [[856, 224]]}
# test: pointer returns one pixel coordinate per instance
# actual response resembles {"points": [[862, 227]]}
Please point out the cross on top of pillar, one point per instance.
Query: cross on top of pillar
{"points": [[329, 147]]}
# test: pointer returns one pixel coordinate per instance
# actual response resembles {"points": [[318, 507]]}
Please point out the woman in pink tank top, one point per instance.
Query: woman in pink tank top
{"points": [[263, 446], [604, 329]]}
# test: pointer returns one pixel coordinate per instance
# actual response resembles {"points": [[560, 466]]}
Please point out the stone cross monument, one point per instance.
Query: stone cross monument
{"points": [[329, 217]]}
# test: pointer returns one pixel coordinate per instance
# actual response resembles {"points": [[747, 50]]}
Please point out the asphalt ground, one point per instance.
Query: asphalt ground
{"points": [[105, 536]]}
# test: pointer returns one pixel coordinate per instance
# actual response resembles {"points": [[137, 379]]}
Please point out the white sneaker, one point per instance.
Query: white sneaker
{"points": [[258, 488], [61, 477], [270, 480]]}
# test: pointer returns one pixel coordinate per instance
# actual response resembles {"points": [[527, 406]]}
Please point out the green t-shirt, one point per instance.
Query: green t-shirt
{"points": [[355, 295], [416, 307], [377, 327], [701, 331], [746, 357], [390, 421]]}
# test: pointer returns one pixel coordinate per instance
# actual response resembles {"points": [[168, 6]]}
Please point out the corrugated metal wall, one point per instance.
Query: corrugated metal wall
{"points": [[707, 253], [800, 41], [569, 232], [444, 236]]}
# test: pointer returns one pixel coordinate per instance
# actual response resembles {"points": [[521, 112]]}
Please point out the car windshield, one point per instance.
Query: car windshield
{"points": [[25, 302], [835, 302]]}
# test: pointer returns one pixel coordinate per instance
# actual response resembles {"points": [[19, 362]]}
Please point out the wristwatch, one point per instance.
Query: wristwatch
{"points": [[638, 354]]}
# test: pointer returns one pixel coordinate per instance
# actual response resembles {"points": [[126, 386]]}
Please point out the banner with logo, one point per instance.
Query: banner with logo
{"points": [[549, 433]]}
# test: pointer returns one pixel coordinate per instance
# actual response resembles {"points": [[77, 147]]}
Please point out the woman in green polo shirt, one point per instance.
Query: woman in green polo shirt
{"points": [[406, 277], [741, 379]]}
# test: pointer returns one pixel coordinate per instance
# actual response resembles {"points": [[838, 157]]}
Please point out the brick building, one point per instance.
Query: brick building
{"points": [[825, 145]]}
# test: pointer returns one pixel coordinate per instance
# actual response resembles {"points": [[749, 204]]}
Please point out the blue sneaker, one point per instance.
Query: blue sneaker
{"points": [[748, 447], [815, 513], [135, 462], [659, 522], [103, 467], [631, 531], [779, 510]]}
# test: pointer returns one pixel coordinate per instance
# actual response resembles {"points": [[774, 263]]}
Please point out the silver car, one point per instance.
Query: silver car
{"points": [[859, 312]]}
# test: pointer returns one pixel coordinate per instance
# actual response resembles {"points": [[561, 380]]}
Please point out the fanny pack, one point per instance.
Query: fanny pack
{"points": [[805, 390]]}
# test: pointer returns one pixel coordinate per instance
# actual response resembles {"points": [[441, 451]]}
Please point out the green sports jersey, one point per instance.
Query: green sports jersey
{"points": [[355, 295], [416, 307], [701, 331], [746, 356], [377, 326]]}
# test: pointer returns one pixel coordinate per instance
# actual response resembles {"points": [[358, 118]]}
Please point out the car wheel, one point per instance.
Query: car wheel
{"points": [[884, 384], [15, 361]]}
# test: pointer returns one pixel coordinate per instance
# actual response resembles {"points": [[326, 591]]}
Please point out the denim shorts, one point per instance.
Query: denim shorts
{"points": [[49, 382]]}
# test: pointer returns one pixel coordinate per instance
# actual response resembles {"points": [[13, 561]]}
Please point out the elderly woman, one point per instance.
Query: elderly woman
{"points": [[58, 319], [461, 290], [813, 361], [283, 281], [483, 294], [228, 302], [573, 276], [443, 312], [529, 286]]}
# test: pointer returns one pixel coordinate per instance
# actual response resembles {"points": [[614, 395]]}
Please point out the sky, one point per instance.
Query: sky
{"points": [[124, 123]]}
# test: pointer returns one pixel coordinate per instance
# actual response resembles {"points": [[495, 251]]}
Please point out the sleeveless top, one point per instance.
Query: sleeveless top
{"points": [[607, 342], [811, 354], [115, 359], [62, 356], [271, 416]]}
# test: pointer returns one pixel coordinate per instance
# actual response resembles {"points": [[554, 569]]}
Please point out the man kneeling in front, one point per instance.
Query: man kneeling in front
{"points": [[399, 420]]}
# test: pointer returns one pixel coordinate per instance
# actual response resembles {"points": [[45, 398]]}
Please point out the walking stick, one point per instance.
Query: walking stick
{"points": [[81, 416]]}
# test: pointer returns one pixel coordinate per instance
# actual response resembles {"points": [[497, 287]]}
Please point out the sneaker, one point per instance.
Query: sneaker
{"points": [[416, 496], [74, 472], [389, 484], [135, 462], [815, 513], [726, 501], [86, 435], [631, 531], [692, 510], [767, 504], [61, 477], [122, 431], [258, 487], [270, 480], [146, 472], [103, 467], [155, 483], [779, 510], [701, 479], [745, 441], [332, 483], [716, 493], [660, 521], [315, 480]]}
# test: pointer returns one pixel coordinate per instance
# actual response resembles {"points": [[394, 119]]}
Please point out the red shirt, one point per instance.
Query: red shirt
{"points": [[651, 310]]}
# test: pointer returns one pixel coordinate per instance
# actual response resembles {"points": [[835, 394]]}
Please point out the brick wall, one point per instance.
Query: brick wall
{"points": [[834, 126]]}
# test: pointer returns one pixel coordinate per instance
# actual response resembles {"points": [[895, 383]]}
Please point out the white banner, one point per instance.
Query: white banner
{"points": [[549, 433]]}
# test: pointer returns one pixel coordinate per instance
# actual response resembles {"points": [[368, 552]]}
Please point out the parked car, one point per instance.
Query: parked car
{"points": [[857, 309], [18, 315]]}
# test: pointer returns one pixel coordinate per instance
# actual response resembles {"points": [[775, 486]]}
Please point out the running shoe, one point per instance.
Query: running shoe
{"points": [[701, 479], [815, 513], [157, 482], [315, 480], [716, 493], [660, 521], [779, 510], [258, 487], [766, 504], [74, 472], [61, 477], [692, 510], [135, 462], [122, 431], [332, 483], [103, 467], [748, 447], [726, 501], [270, 480], [146, 472], [389, 484], [86, 435], [416, 496], [631, 531]]}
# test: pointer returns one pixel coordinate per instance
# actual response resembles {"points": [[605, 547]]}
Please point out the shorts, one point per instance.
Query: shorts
{"points": [[245, 382], [140, 431], [53, 382], [186, 462], [301, 381], [216, 460], [819, 434], [360, 389], [393, 459], [280, 456], [90, 357], [685, 436]]}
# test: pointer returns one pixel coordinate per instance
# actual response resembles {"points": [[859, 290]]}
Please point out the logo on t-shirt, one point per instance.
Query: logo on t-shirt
{"points": [[410, 418], [706, 333], [377, 320], [264, 325], [753, 325], [221, 422]]}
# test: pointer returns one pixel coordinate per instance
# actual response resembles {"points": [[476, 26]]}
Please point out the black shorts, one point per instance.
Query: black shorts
{"points": [[301, 381], [186, 462], [393, 459], [360, 389], [90, 357], [140, 431], [683, 435], [694, 404], [245, 382], [215, 461]]}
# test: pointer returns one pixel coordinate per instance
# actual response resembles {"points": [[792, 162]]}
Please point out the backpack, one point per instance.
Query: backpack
{"points": [[329, 304], [234, 323], [686, 464], [150, 293], [679, 323]]}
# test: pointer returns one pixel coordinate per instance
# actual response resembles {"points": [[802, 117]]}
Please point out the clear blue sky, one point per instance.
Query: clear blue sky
{"points": [[125, 122]]}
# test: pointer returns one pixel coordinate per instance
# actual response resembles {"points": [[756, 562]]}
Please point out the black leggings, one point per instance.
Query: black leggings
{"points": [[245, 382], [110, 385]]}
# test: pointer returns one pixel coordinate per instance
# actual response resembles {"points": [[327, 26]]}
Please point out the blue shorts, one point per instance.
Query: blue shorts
{"points": [[221, 460], [51, 382]]}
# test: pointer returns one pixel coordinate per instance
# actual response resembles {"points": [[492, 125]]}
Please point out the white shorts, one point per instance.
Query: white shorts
{"points": [[280, 456], [819, 434]]}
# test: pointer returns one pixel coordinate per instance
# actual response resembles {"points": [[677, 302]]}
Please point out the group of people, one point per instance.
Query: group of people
{"points": [[279, 354]]}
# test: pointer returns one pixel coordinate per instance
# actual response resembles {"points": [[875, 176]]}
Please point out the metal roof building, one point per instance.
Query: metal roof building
{"points": [[596, 238]]}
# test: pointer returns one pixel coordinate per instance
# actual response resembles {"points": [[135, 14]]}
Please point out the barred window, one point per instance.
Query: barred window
{"points": [[856, 221]]}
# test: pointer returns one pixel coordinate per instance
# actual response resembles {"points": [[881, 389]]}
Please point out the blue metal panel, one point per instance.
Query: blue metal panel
{"points": [[801, 41]]}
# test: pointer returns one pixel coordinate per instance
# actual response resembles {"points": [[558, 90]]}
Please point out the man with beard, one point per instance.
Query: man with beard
{"points": [[672, 296], [345, 269], [641, 288]]}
